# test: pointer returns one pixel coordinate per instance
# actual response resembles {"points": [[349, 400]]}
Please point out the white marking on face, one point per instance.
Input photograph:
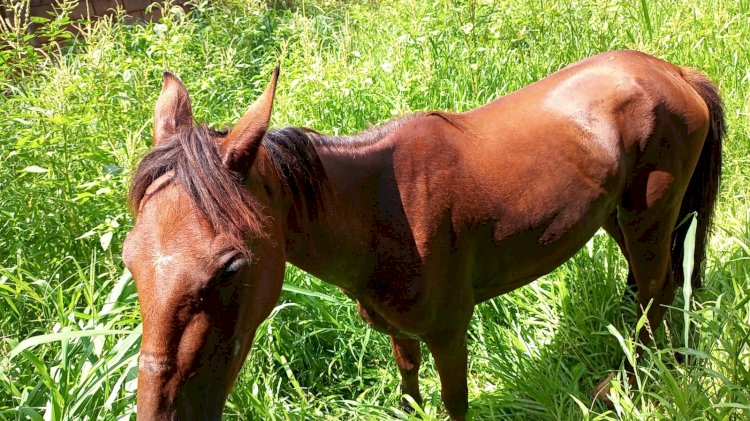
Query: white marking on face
{"points": [[162, 260], [236, 348], [162, 264]]}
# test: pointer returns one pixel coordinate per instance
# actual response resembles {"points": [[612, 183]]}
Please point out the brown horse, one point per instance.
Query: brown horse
{"points": [[418, 220]]}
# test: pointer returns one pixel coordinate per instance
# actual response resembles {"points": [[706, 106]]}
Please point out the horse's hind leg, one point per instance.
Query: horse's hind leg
{"points": [[408, 358], [647, 237], [649, 243]]}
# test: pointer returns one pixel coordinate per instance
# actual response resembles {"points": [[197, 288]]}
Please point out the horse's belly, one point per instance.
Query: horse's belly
{"points": [[537, 211], [519, 267], [510, 256]]}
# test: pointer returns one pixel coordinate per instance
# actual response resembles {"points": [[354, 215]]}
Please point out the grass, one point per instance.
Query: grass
{"points": [[76, 120]]}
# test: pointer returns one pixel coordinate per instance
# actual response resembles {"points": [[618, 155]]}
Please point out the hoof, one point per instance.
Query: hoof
{"points": [[601, 392], [407, 404]]}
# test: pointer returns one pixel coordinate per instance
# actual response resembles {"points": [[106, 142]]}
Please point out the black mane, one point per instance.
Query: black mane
{"points": [[293, 155], [194, 157]]}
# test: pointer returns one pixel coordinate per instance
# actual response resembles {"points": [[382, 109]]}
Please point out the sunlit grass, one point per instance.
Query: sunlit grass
{"points": [[75, 123]]}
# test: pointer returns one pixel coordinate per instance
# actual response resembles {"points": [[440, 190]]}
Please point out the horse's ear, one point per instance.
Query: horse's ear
{"points": [[241, 145], [172, 111]]}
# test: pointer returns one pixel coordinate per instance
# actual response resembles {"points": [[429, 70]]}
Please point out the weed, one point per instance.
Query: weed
{"points": [[75, 120]]}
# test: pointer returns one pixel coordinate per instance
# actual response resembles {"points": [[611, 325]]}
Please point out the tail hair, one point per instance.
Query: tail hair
{"points": [[703, 188]]}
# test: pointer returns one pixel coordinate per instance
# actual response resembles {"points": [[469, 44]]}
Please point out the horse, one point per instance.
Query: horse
{"points": [[417, 220]]}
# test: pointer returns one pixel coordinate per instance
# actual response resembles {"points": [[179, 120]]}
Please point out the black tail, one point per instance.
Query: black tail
{"points": [[704, 183]]}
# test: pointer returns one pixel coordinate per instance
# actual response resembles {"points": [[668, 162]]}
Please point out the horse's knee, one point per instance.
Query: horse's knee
{"points": [[408, 363]]}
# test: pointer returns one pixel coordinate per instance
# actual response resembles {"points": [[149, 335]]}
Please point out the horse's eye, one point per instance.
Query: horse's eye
{"points": [[230, 270]]}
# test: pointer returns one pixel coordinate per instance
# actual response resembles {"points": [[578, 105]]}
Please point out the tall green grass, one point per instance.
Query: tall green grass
{"points": [[75, 120]]}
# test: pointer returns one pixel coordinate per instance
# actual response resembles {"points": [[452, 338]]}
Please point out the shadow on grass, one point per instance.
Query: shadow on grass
{"points": [[555, 352]]}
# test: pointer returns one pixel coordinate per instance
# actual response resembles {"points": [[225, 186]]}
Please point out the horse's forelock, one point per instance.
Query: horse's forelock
{"points": [[194, 157]]}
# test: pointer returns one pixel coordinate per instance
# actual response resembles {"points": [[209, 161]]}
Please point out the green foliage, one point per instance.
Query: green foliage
{"points": [[77, 118]]}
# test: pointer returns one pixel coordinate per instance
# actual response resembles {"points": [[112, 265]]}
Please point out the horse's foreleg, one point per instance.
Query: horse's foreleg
{"points": [[612, 227], [450, 353], [408, 358]]}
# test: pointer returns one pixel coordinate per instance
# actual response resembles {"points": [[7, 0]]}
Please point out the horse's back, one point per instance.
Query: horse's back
{"points": [[616, 93]]}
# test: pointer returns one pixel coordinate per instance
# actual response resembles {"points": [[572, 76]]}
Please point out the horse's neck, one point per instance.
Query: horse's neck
{"points": [[336, 245]]}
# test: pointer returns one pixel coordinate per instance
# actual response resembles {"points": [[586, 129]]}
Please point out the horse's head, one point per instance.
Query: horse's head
{"points": [[206, 253]]}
